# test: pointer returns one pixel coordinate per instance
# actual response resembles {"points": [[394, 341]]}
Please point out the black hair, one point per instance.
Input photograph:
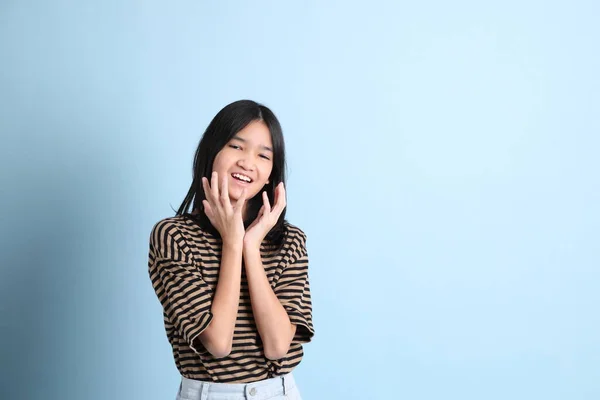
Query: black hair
{"points": [[225, 125]]}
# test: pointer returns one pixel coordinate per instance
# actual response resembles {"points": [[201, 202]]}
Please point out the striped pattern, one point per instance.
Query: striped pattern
{"points": [[184, 263]]}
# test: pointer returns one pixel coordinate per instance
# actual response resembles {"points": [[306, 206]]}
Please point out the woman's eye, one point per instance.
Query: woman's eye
{"points": [[265, 157], [233, 146]]}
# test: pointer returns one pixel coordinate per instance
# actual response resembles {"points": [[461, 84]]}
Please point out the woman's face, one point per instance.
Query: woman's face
{"points": [[247, 161]]}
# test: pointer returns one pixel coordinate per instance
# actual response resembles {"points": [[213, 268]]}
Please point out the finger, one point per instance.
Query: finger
{"points": [[281, 197], [214, 187], [266, 203], [206, 187], [239, 204], [207, 209], [279, 194], [225, 193], [280, 201], [208, 190]]}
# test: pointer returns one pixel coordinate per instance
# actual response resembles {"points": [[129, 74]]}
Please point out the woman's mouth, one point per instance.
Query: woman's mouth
{"points": [[241, 179]]}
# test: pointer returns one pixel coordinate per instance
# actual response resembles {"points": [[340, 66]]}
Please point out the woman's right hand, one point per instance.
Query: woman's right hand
{"points": [[224, 216]]}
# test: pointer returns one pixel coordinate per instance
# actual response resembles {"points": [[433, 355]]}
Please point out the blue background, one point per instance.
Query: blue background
{"points": [[443, 161]]}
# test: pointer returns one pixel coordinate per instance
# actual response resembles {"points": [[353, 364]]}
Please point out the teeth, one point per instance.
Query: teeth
{"points": [[242, 177]]}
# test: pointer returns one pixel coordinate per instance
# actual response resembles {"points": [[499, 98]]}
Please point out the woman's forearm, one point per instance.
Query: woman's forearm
{"points": [[272, 321], [218, 336]]}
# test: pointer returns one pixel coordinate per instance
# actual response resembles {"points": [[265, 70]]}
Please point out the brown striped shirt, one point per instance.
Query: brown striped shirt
{"points": [[184, 263]]}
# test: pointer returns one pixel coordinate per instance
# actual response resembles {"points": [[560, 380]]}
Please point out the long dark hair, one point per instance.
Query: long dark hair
{"points": [[226, 124]]}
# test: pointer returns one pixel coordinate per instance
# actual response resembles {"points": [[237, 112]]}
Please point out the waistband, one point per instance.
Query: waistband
{"points": [[201, 390]]}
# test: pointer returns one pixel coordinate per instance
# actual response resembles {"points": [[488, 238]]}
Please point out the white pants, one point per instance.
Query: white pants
{"points": [[278, 388]]}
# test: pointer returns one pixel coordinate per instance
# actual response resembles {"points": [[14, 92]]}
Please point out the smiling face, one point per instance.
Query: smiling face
{"points": [[246, 160]]}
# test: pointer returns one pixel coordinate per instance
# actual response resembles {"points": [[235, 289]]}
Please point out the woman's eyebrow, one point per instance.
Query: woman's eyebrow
{"points": [[244, 141]]}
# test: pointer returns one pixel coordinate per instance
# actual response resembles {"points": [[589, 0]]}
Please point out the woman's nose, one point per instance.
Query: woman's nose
{"points": [[245, 164]]}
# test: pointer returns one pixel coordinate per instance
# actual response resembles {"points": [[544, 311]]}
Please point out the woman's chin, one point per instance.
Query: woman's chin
{"points": [[235, 194]]}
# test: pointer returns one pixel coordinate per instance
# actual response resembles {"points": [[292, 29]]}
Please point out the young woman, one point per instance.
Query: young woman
{"points": [[232, 275]]}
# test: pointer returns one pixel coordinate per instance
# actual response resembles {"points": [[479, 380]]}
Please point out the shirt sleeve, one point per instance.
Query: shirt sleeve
{"points": [[185, 297], [293, 291]]}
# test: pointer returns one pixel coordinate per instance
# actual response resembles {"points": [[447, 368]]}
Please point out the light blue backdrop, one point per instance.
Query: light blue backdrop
{"points": [[443, 161]]}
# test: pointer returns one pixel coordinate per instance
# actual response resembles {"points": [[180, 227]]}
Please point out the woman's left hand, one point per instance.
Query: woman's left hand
{"points": [[266, 218]]}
